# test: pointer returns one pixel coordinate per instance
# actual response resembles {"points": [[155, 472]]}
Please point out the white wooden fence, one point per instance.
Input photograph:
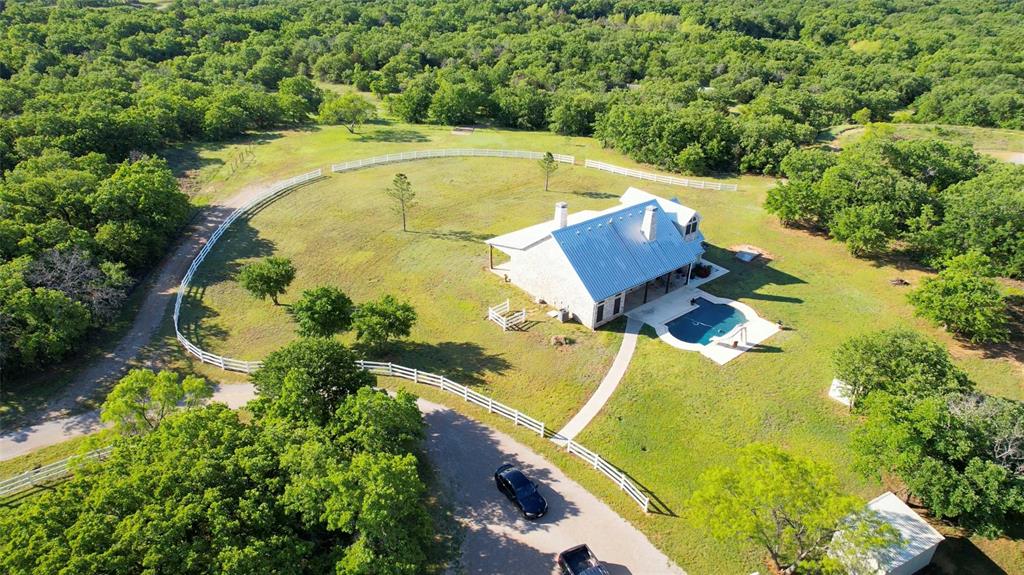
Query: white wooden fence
{"points": [[699, 184], [518, 417], [378, 368], [499, 314], [446, 153], [55, 471], [266, 197], [61, 469]]}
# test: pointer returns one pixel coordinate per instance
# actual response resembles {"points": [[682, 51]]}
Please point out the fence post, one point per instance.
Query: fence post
{"points": [[490, 404], [391, 370], [542, 429], [416, 376], [517, 417], [465, 393]]}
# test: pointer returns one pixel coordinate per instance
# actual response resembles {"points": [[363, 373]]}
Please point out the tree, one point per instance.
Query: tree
{"points": [[788, 505], [307, 380], [401, 193], [866, 230], [573, 113], [454, 103], [378, 322], [322, 312], [372, 421], [986, 213], [102, 288], [40, 325], [304, 89], [898, 361], [862, 116], [267, 278], [143, 398], [954, 452], [142, 207], [548, 166], [349, 109], [207, 493], [964, 299]]}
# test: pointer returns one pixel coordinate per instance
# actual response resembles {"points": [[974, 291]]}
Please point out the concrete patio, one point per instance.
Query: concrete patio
{"points": [[677, 302]]}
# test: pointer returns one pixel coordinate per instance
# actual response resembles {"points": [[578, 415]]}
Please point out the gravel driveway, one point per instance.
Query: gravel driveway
{"points": [[497, 540]]}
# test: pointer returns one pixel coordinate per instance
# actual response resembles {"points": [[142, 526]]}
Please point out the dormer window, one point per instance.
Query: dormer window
{"points": [[691, 227]]}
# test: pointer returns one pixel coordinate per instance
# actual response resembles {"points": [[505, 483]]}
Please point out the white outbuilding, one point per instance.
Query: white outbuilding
{"points": [[596, 265], [918, 540]]}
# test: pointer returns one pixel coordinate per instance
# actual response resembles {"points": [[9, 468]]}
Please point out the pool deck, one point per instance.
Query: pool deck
{"points": [[720, 350]]}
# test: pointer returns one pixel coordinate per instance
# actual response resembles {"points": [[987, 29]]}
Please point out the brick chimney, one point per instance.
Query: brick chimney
{"points": [[561, 215], [647, 228]]}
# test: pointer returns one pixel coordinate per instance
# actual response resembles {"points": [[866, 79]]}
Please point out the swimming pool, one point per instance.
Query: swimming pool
{"points": [[704, 322]]}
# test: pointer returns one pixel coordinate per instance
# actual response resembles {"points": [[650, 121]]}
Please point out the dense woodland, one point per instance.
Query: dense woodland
{"points": [[321, 479], [89, 89]]}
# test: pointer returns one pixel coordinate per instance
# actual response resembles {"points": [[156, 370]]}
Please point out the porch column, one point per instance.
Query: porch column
{"points": [[645, 290], [490, 257], [668, 281]]}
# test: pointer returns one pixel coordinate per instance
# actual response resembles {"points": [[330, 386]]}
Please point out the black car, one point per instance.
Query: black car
{"points": [[520, 491]]}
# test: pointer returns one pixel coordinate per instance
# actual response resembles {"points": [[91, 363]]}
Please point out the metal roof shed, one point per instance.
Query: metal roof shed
{"points": [[919, 538]]}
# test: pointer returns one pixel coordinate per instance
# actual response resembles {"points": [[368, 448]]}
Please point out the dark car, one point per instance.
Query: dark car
{"points": [[520, 491], [580, 560]]}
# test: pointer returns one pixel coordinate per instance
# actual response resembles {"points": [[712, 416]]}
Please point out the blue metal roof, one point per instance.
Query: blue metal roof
{"points": [[610, 254]]}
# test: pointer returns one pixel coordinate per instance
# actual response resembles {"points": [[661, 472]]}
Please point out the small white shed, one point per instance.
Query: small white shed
{"points": [[919, 538]]}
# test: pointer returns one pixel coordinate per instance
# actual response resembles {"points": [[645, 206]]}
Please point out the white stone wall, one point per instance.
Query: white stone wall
{"points": [[543, 271]]}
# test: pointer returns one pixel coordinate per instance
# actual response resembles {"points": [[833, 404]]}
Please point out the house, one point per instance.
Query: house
{"points": [[918, 541], [597, 265]]}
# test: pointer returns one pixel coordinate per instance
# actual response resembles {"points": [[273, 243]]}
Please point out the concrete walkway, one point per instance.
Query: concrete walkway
{"points": [[496, 539], [54, 431], [608, 384]]}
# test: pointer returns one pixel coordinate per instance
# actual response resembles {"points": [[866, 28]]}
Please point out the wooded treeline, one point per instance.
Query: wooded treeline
{"points": [[88, 88]]}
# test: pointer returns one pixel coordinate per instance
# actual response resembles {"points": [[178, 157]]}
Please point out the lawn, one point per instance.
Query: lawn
{"points": [[341, 232], [677, 413], [1006, 145], [674, 415]]}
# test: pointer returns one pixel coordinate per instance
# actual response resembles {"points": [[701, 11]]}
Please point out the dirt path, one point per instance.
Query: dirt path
{"points": [[160, 294], [25, 440]]}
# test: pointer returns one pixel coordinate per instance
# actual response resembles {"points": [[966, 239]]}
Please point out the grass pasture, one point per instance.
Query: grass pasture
{"points": [[1005, 145], [674, 415]]}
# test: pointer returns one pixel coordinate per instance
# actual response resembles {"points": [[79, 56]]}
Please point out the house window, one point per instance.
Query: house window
{"points": [[618, 305], [692, 226], [600, 312]]}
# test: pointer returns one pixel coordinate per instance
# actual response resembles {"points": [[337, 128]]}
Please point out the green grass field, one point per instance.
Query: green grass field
{"points": [[1006, 145], [674, 415]]}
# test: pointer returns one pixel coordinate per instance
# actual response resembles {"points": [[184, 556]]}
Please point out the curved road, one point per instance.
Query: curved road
{"points": [[496, 538], [159, 296]]}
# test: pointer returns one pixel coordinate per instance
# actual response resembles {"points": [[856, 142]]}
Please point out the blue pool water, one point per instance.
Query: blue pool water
{"points": [[706, 321]]}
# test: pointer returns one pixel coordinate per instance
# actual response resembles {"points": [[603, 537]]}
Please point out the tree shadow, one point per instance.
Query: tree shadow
{"points": [[455, 235], [196, 321], [240, 242], [744, 280], [187, 158], [597, 195], [462, 362], [394, 135], [1014, 348], [465, 454], [958, 555]]}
